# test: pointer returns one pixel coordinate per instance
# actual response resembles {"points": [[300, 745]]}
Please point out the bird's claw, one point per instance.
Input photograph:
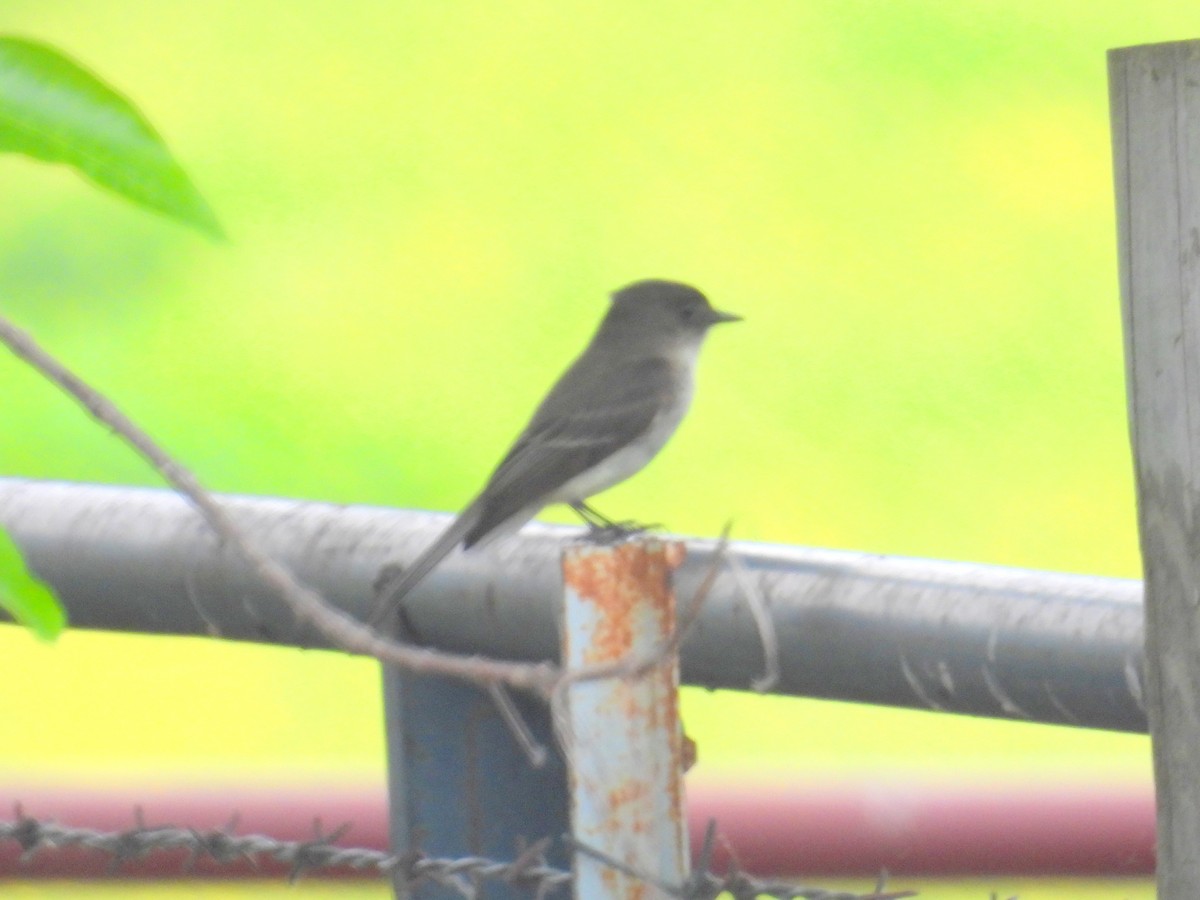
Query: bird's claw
{"points": [[615, 532]]}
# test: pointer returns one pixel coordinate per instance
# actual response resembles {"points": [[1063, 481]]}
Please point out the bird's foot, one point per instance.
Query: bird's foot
{"points": [[611, 533], [604, 531]]}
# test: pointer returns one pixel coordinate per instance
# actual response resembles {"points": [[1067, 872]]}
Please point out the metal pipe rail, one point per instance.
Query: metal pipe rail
{"points": [[958, 637]]}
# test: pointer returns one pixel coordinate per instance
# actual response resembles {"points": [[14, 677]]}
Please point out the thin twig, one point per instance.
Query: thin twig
{"points": [[189, 587], [617, 865], [534, 751], [762, 621], [342, 630]]}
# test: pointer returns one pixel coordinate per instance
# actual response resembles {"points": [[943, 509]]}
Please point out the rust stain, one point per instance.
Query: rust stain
{"points": [[616, 581], [628, 792], [682, 751], [618, 884], [670, 701], [683, 757]]}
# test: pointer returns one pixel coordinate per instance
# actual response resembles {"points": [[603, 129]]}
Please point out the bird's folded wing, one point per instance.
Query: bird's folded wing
{"points": [[569, 435]]}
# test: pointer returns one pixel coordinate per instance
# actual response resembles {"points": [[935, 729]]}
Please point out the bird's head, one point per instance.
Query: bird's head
{"points": [[667, 310]]}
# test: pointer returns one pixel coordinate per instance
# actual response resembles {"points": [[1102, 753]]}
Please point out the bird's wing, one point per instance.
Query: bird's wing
{"points": [[569, 435]]}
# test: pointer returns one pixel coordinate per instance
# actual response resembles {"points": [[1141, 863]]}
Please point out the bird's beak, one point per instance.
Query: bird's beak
{"points": [[716, 317]]}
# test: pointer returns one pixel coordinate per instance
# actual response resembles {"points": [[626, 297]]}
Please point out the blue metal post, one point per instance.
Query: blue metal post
{"points": [[626, 743], [459, 784]]}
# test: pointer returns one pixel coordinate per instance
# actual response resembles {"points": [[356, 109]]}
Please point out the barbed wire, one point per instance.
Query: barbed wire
{"points": [[704, 884], [224, 846], [466, 875]]}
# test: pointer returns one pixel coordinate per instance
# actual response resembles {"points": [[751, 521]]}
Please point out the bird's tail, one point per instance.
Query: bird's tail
{"points": [[391, 594]]}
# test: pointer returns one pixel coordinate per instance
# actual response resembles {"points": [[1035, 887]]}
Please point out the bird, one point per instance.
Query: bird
{"points": [[605, 418]]}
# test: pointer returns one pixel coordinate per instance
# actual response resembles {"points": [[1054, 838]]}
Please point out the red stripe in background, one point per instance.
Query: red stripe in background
{"points": [[775, 829]]}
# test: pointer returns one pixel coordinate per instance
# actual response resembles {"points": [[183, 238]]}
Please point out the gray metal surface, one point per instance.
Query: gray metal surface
{"points": [[961, 637]]}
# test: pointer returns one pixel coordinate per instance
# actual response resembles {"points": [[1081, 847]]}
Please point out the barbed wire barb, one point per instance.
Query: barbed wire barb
{"points": [[220, 845]]}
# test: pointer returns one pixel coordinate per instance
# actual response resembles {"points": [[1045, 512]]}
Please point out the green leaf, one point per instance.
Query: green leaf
{"points": [[27, 598], [54, 110]]}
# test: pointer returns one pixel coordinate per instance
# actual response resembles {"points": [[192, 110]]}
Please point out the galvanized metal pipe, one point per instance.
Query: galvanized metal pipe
{"points": [[962, 637]]}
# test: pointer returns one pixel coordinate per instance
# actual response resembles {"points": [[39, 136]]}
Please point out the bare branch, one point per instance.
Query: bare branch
{"points": [[343, 630]]}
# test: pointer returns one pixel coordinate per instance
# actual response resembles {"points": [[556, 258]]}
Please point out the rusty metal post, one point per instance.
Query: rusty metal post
{"points": [[625, 753]]}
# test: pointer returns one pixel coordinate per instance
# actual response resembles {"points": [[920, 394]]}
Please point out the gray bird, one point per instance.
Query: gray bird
{"points": [[605, 418]]}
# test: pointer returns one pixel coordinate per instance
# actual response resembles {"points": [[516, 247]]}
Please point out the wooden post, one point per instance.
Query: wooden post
{"points": [[1155, 102]]}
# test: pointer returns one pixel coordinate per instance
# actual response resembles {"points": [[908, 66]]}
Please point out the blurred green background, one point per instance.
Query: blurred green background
{"points": [[910, 203]]}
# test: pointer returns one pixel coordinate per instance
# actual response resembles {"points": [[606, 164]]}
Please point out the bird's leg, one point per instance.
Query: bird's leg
{"points": [[603, 530], [591, 517]]}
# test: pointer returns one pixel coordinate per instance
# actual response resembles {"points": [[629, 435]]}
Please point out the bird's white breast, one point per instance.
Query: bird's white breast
{"points": [[634, 456]]}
